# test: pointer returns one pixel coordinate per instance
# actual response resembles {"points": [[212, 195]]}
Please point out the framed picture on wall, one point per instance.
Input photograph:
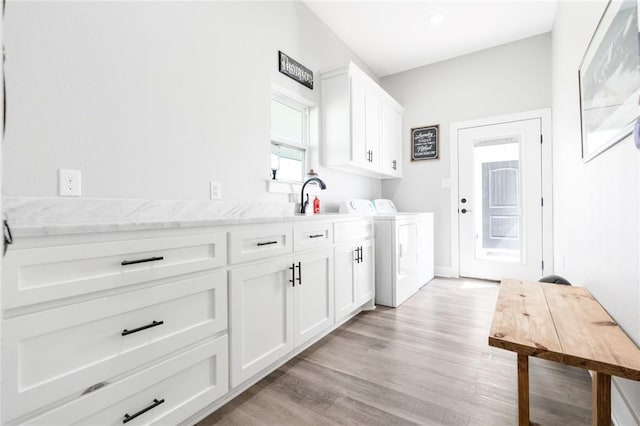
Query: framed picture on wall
{"points": [[609, 79], [424, 143]]}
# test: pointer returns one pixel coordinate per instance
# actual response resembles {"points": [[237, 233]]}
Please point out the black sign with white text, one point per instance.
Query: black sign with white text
{"points": [[424, 142], [295, 70]]}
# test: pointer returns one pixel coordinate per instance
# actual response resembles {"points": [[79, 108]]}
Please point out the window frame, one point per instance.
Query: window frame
{"points": [[304, 107]]}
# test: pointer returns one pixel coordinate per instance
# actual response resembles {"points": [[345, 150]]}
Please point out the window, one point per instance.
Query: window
{"points": [[289, 138]]}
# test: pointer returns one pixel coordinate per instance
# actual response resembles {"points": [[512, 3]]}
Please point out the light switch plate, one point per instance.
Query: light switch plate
{"points": [[216, 190], [69, 183]]}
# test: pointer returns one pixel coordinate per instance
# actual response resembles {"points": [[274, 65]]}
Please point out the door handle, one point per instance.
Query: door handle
{"points": [[299, 273], [463, 211], [463, 200]]}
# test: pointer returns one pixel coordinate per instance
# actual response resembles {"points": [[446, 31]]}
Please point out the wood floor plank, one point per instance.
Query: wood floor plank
{"points": [[426, 362]]}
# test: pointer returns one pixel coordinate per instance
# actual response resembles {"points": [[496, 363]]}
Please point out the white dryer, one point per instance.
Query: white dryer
{"points": [[403, 247], [404, 252]]}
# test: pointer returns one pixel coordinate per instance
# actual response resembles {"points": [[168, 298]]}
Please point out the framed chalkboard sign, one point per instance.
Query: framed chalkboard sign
{"points": [[424, 142]]}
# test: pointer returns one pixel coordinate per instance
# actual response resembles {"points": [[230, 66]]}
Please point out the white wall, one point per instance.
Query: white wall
{"points": [[596, 204], [506, 79], [156, 99]]}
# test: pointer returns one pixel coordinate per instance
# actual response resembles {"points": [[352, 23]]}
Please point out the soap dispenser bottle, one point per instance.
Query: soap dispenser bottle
{"points": [[316, 205]]}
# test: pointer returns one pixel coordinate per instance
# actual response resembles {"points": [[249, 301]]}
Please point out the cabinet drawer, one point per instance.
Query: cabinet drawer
{"points": [[309, 236], [37, 275], [50, 355], [353, 230], [185, 384], [259, 242]]}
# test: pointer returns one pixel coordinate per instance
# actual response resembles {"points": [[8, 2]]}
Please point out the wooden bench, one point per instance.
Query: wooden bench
{"points": [[564, 324]]}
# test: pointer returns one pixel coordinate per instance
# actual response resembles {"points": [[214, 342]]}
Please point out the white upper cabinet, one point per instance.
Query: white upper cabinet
{"points": [[391, 140], [362, 125]]}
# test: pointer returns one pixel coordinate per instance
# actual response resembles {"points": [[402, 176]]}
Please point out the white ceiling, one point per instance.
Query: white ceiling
{"points": [[394, 36]]}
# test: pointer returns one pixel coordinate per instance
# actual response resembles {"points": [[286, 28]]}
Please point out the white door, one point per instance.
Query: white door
{"points": [[260, 316], [313, 294], [500, 200]]}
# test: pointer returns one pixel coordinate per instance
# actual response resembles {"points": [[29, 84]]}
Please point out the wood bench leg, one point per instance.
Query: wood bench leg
{"points": [[601, 399], [523, 390]]}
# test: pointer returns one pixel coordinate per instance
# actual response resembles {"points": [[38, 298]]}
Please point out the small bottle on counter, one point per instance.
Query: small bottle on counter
{"points": [[316, 205]]}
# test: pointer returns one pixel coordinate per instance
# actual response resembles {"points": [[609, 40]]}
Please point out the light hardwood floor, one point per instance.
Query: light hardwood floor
{"points": [[426, 362]]}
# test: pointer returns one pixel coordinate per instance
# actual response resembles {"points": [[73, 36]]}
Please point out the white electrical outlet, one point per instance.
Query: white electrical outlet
{"points": [[216, 190], [69, 183]]}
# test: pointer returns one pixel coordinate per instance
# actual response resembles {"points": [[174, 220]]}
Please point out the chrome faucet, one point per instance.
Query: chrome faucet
{"points": [[303, 204]]}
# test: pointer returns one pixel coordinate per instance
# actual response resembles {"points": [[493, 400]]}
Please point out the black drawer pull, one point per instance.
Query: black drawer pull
{"points": [[267, 243], [144, 327], [128, 418], [149, 259], [316, 236], [299, 278]]}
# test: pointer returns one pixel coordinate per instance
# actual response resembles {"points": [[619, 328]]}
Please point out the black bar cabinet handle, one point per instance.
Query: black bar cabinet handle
{"points": [[266, 243], [293, 274], [144, 327], [316, 236], [299, 273], [357, 254], [360, 250], [149, 259], [128, 418]]}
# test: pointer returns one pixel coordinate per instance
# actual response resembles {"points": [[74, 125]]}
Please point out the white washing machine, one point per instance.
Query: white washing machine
{"points": [[404, 249]]}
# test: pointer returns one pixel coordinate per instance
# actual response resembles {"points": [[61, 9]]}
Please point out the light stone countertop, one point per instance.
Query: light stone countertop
{"points": [[37, 217]]}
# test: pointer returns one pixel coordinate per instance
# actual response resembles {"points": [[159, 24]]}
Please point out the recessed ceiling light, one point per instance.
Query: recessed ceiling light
{"points": [[436, 19]]}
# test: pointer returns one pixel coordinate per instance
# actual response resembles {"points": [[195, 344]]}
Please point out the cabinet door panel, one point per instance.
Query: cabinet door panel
{"points": [[313, 294], [365, 273], [261, 317], [187, 383], [43, 274], [345, 290], [372, 128], [358, 124], [391, 143]]}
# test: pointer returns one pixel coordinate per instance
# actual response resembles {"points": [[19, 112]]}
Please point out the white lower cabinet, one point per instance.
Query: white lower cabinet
{"points": [[354, 277], [260, 316], [346, 290], [313, 294], [113, 324], [52, 354], [154, 327], [166, 393], [365, 275], [276, 306]]}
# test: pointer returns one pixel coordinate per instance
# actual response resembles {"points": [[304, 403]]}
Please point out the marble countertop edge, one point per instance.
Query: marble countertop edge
{"points": [[37, 217]]}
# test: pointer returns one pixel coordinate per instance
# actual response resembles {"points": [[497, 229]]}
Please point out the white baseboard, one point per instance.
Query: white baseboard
{"points": [[622, 413], [444, 271]]}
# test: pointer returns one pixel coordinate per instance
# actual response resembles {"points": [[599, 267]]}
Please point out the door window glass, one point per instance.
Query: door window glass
{"points": [[497, 186]]}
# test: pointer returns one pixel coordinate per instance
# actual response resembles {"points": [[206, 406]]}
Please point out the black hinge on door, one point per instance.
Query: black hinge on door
{"points": [[542, 265], [540, 138], [542, 202]]}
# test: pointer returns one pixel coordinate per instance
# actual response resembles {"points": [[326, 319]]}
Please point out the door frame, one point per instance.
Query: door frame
{"points": [[544, 115]]}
